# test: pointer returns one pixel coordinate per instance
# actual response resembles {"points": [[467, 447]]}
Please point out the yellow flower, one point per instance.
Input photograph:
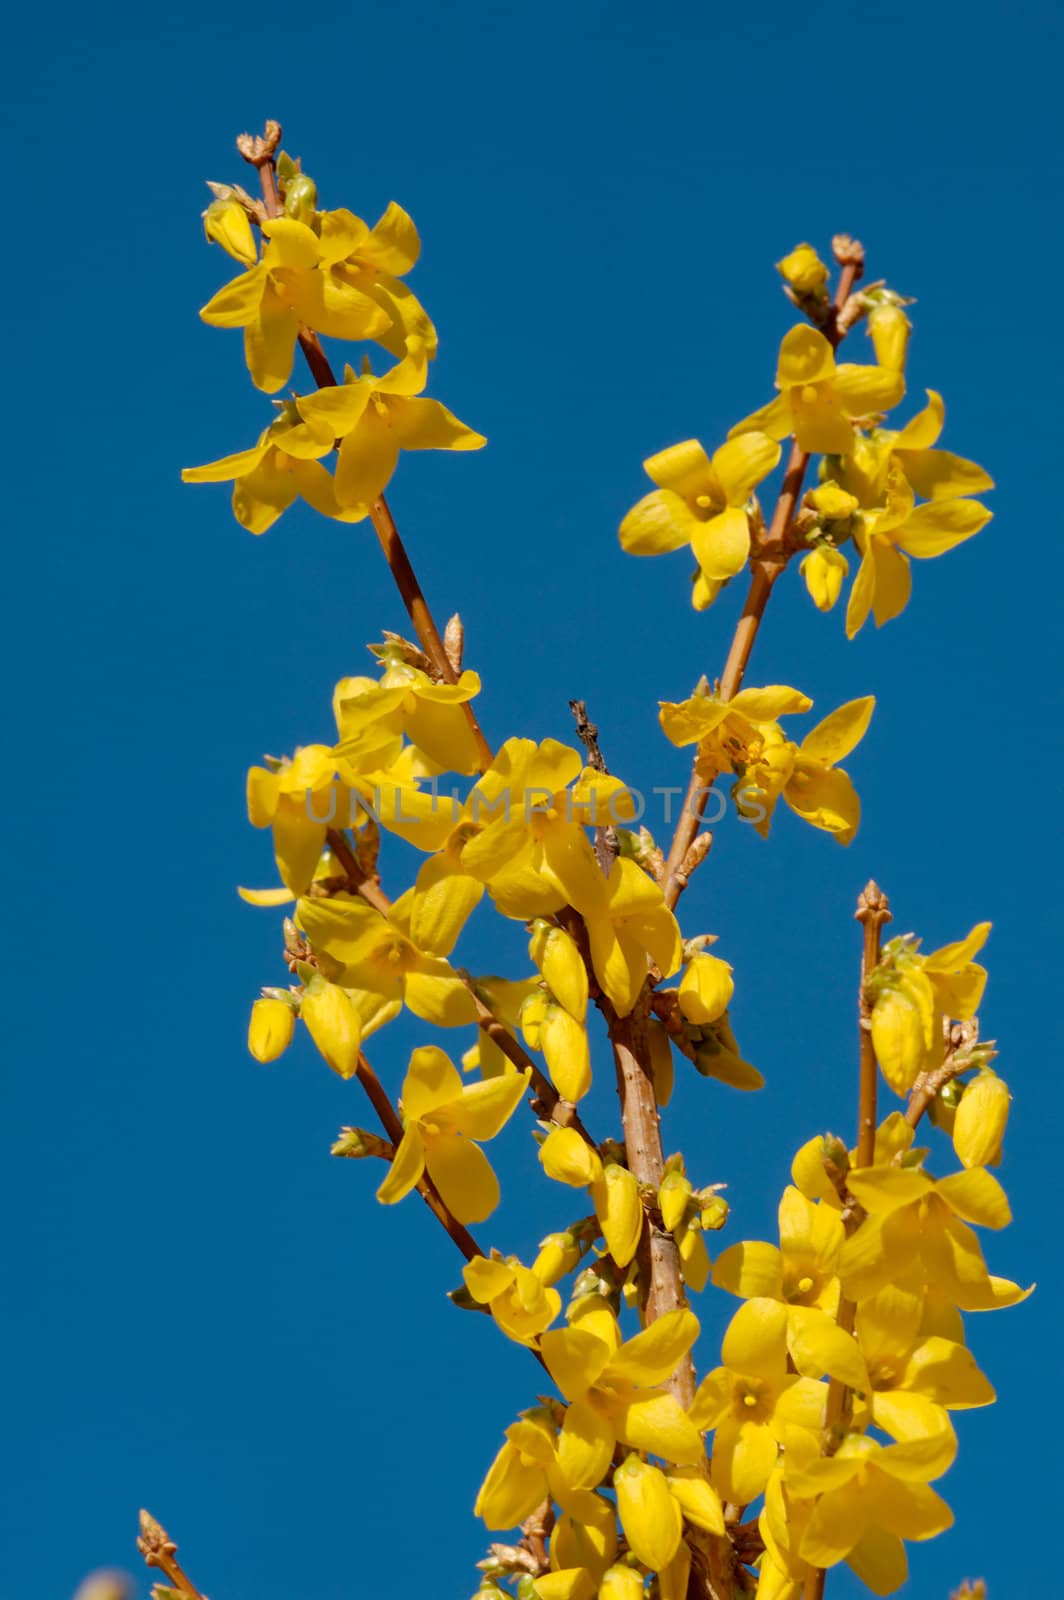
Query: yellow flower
{"points": [[980, 1120], [406, 701], [517, 1296], [803, 270], [374, 418], [818, 399], [806, 775], [915, 994], [802, 1270], [915, 1380], [651, 1518], [270, 1029], [337, 280], [615, 1395], [933, 474], [889, 329], [871, 1494], [289, 799], [282, 467], [614, 1191], [753, 1402], [442, 1117], [524, 1473], [915, 1224], [888, 536], [700, 502], [725, 730], [364, 951]]}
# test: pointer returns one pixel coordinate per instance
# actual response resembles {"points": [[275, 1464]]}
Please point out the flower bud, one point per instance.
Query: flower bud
{"points": [[556, 955], [803, 270], [649, 1515], [890, 329], [823, 570], [558, 1254], [300, 197], [705, 989], [270, 1029], [334, 1023], [833, 503], [621, 1583], [979, 1125], [620, 1212], [226, 223], [704, 591], [902, 1029], [567, 1158], [694, 1257], [673, 1195], [563, 1041], [714, 1213]]}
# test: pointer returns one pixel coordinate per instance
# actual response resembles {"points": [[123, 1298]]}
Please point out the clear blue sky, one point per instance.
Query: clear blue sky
{"points": [[207, 1315]]}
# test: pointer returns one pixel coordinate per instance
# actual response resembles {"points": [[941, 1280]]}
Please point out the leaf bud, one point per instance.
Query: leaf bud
{"points": [[301, 198]]}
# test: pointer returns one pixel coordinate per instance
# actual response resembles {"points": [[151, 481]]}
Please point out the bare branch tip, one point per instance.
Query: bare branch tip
{"points": [[872, 904], [257, 148], [154, 1543]]}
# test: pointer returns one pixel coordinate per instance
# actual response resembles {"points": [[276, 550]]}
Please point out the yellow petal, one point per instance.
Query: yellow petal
{"points": [[750, 1270], [651, 1357], [697, 1499], [575, 1359], [840, 732], [864, 390], [585, 1446], [706, 988], [567, 1158], [977, 1196], [428, 425], [743, 462], [512, 1490], [938, 475], [722, 545], [620, 1212], [408, 1164], [333, 1022], [744, 1455], [463, 1175], [655, 1421], [484, 1108], [805, 357], [939, 526], [755, 1342]]}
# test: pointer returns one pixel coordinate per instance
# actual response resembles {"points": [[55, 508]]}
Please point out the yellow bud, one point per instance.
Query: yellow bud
{"points": [[300, 197], [832, 502], [705, 989], [704, 591], [979, 1124], [558, 1254], [620, 1212], [557, 956], [531, 1018], [902, 1028], [803, 270], [673, 1195], [226, 222], [694, 1257], [270, 1029], [699, 1502], [621, 1583], [334, 1024], [567, 1158], [823, 570], [649, 1515], [563, 1041], [661, 1061], [588, 1541], [890, 329], [509, 1492], [714, 1214]]}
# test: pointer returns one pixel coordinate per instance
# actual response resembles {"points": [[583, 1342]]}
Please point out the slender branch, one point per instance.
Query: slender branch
{"points": [[260, 153], [768, 561], [159, 1550], [369, 888], [873, 912]]}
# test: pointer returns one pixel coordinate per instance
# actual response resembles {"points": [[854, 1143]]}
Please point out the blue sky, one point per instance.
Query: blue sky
{"points": [[207, 1315]]}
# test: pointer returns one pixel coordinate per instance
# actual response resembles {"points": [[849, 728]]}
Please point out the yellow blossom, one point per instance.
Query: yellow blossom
{"points": [[753, 1402], [823, 570], [518, 1298], [549, 1027], [337, 278], [225, 221], [442, 1119], [868, 1488], [558, 958], [406, 701], [915, 1380], [802, 1270], [282, 467], [818, 400], [888, 536], [889, 329], [931, 473], [614, 1393], [706, 988], [701, 502], [375, 418], [363, 950]]}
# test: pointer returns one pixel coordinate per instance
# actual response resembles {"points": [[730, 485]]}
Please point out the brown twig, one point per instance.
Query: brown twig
{"points": [[261, 153], [159, 1550], [587, 733], [873, 912], [769, 559]]}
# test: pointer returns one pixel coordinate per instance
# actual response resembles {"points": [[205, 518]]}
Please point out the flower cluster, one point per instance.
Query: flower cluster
{"points": [[818, 1435]]}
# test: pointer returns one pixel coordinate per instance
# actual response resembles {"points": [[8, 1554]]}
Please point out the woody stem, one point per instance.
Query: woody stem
{"points": [[873, 911]]}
